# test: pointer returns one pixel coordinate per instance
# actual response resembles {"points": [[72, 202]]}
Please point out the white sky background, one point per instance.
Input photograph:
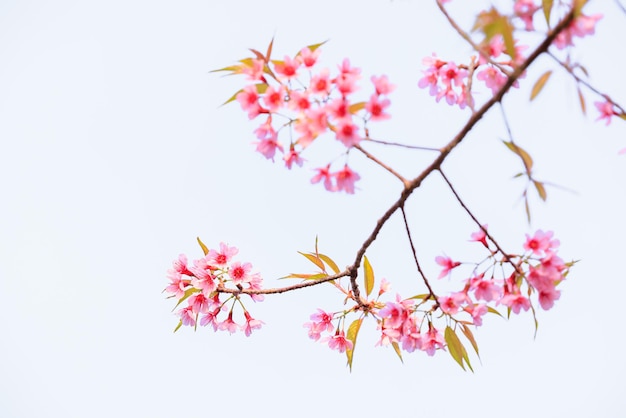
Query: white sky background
{"points": [[115, 156]]}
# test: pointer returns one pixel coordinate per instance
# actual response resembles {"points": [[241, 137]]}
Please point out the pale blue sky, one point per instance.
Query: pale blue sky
{"points": [[115, 156]]}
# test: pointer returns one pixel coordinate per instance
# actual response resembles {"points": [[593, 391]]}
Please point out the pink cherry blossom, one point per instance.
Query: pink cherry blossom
{"points": [[607, 111], [203, 279], [249, 101], [188, 316], [547, 298], [288, 68], [307, 57], [223, 256], [494, 78], [274, 98], [432, 341], [255, 283], [347, 132], [450, 74], [525, 10], [447, 264], [323, 173], [255, 70], [210, 318], [199, 303], [239, 272], [251, 324], [345, 179], [486, 290], [452, 303], [516, 302], [477, 312], [540, 242], [320, 83], [338, 342], [480, 236], [376, 107], [293, 157], [228, 324], [321, 322], [177, 286], [382, 85], [299, 100], [581, 26]]}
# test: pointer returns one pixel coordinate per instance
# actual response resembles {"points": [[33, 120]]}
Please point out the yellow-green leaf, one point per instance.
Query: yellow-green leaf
{"points": [[205, 250], [541, 190], [180, 324], [581, 99], [470, 336], [396, 348], [422, 296], [493, 311], [268, 54], [314, 259], [187, 293], [492, 23], [329, 262], [539, 84], [232, 98], [355, 107], [353, 331], [455, 348], [231, 68], [526, 158], [306, 276], [547, 9], [369, 276], [315, 46]]}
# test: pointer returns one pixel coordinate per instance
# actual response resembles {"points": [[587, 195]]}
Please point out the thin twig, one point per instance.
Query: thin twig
{"points": [[469, 40], [380, 163], [397, 144], [585, 83], [417, 263], [506, 256], [277, 290]]}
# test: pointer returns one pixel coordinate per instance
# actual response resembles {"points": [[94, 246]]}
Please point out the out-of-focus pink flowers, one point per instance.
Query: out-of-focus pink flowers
{"points": [[447, 263]]}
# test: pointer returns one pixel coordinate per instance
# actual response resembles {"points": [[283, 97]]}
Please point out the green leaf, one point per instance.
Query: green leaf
{"points": [[470, 336], [268, 54], [539, 84], [526, 158], [492, 23], [547, 9], [188, 293], [180, 324], [541, 190], [353, 331], [356, 107], [396, 348], [455, 348], [315, 276], [329, 262], [581, 99], [257, 54], [205, 250], [369, 276], [315, 46], [314, 259], [232, 98], [493, 311]]}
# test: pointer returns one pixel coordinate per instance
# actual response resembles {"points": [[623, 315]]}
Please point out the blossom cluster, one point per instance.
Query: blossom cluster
{"points": [[410, 323], [295, 95], [200, 283], [453, 82]]}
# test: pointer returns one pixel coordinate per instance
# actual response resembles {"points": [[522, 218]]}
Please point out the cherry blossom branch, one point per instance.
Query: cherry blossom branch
{"points": [[417, 263], [447, 149], [397, 144], [380, 163], [506, 256], [278, 290]]}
